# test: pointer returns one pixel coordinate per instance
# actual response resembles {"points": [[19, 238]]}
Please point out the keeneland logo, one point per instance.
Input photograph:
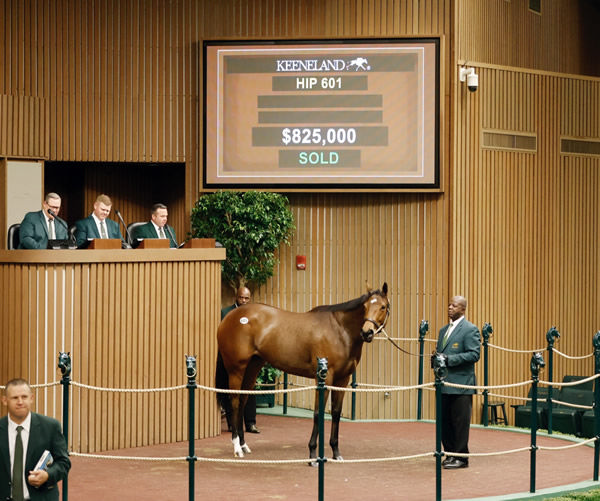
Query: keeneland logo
{"points": [[359, 63]]}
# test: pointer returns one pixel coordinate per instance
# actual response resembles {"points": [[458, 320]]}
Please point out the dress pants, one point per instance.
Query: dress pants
{"points": [[456, 421]]}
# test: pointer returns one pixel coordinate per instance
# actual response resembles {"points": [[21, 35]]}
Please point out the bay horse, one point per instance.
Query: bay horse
{"points": [[256, 333]]}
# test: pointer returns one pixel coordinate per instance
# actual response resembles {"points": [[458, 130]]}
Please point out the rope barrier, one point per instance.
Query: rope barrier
{"points": [[468, 387], [563, 447], [514, 351], [571, 383], [38, 386], [127, 390], [572, 357]]}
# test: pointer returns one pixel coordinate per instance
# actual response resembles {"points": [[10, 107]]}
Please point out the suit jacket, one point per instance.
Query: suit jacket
{"points": [[86, 228], [33, 233], [148, 231], [45, 434], [462, 350], [226, 310]]}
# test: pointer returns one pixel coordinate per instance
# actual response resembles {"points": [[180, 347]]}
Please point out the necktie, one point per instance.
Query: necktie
{"points": [[103, 233], [17, 490], [447, 335], [51, 232], [161, 232]]}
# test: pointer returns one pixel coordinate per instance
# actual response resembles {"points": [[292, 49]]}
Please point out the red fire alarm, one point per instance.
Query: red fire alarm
{"points": [[300, 262]]}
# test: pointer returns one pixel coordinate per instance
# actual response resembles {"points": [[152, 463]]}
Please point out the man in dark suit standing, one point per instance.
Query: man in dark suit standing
{"points": [[157, 227], [97, 224], [459, 344], [243, 297], [40, 226], [24, 436]]}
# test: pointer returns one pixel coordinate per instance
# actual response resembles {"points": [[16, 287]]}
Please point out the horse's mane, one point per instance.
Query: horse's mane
{"points": [[348, 305]]}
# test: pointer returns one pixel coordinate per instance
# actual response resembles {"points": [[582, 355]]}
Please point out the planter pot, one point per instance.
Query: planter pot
{"points": [[266, 400]]}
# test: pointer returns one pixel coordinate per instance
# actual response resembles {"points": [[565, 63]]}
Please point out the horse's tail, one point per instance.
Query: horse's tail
{"points": [[222, 382]]}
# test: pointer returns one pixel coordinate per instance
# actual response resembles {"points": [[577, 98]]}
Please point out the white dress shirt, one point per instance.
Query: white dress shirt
{"points": [[453, 325], [12, 436], [157, 229]]}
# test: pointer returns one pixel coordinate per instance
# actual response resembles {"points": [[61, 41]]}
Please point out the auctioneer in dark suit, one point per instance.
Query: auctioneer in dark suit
{"points": [[45, 434], [33, 233], [149, 231], [462, 351], [86, 229]]}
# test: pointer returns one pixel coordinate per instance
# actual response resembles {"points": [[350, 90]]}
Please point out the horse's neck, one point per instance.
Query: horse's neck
{"points": [[351, 322]]}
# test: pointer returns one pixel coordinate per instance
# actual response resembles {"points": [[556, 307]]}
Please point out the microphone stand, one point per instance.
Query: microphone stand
{"points": [[127, 244], [70, 236], [172, 237]]}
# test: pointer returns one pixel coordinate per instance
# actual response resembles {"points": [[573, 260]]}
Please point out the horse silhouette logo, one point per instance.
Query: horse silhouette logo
{"points": [[360, 63]]}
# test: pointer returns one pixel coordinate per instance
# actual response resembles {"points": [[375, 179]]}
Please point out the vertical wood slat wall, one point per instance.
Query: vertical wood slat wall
{"points": [[123, 82], [117, 338], [525, 225]]}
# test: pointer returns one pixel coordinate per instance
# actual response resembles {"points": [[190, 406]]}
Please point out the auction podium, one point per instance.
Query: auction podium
{"points": [[128, 317], [104, 243]]}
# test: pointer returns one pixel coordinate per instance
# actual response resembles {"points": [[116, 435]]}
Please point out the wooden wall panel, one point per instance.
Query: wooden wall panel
{"points": [[126, 325], [24, 126], [524, 224], [563, 38]]}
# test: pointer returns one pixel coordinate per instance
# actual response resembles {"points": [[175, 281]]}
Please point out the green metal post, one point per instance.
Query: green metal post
{"points": [[191, 386], [64, 364], [537, 362], [438, 363], [285, 395], [550, 337], [321, 376], [596, 343], [486, 331], [423, 329], [353, 407]]}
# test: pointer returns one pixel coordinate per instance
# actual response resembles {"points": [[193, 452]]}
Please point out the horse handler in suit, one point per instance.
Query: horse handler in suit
{"points": [[39, 227], [157, 227], [97, 224], [459, 344], [27, 435]]}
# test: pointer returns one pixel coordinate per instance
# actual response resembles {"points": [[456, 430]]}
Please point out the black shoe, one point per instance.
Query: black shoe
{"points": [[447, 459], [455, 464], [252, 429]]}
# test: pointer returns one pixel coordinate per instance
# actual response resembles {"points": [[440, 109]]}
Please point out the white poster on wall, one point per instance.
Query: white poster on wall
{"points": [[24, 189]]}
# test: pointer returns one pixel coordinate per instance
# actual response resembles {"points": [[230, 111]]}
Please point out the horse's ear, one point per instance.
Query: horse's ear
{"points": [[369, 288], [384, 289]]}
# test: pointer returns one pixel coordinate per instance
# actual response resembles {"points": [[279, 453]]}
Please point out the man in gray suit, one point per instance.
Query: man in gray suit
{"points": [[24, 436], [40, 226], [459, 344]]}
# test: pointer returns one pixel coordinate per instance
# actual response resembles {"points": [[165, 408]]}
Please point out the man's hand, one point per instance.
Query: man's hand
{"points": [[37, 478]]}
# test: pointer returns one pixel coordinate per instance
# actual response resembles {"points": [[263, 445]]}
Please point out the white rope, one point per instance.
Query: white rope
{"points": [[466, 386], [480, 454], [403, 339], [381, 460], [567, 404], [573, 357], [125, 458], [127, 390], [513, 351], [36, 386], [374, 390], [571, 383], [256, 392], [562, 447]]}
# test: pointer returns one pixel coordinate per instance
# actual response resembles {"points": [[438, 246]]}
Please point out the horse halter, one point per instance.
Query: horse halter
{"points": [[379, 327]]}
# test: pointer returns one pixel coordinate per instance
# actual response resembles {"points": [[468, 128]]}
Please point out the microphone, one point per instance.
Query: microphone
{"points": [[70, 236], [172, 236], [127, 245]]}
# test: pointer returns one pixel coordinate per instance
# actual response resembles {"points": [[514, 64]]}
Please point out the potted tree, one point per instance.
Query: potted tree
{"points": [[251, 225]]}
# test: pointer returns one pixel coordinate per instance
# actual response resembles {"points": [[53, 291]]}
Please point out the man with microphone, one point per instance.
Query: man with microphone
{"points": [[97, 224], [157, 227], [39, 227]]}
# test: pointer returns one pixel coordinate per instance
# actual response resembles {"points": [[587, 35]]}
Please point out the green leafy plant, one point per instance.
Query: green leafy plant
{"points": [[267, 375], [251, 226]]}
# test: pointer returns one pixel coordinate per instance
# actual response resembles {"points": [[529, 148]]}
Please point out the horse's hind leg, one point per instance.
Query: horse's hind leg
{"points": [[337, 399], [312, 443], [237, 416]]}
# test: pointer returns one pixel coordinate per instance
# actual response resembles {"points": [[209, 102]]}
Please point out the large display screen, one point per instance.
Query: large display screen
{"points": [[321, 114]]}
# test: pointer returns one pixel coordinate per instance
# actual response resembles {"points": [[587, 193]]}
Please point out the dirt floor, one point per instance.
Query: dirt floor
{"points": [[286, 438]]}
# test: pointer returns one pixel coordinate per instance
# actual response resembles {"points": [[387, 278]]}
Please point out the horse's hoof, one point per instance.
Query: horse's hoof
{"points": [[313, 462], [246, 449], [337, 458], [238, 454], [237, 448]]}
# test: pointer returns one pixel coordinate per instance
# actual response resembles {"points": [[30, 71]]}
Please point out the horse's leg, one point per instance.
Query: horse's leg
{"points": [[312, 443], [237, 431], [248, 383], [337, 399]]}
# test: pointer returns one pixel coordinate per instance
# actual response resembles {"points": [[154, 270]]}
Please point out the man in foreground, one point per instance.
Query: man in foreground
{"points": [[40, 226]]}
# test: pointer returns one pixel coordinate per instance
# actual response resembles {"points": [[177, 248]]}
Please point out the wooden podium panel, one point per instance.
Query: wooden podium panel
{"points": [[154, 243], [128, 317], [200, 243], [105, 243]]}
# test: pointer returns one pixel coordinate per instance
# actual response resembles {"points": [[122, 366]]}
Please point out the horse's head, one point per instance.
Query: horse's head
{"points": [[377, 311]]}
